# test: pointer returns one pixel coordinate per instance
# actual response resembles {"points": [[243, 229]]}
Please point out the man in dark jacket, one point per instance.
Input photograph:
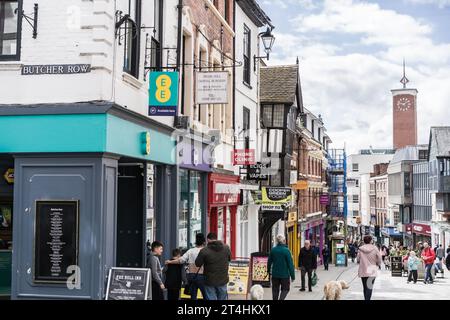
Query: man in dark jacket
{"points": [[307, 263], [215, 259], [326, 256], [281, 267]]}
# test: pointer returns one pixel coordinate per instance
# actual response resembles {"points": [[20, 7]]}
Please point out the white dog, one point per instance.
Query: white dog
{"points": [[333, 289], [257, 292]]}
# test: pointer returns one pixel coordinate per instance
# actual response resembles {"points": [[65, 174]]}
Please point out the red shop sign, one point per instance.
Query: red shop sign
{"points": [[422, 229], [244, 157]]}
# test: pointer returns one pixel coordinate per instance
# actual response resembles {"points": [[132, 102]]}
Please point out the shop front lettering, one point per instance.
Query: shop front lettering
{"points": [[28, 70]]}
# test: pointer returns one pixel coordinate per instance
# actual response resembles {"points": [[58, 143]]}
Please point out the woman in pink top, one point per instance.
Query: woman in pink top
{"points": [[369, 259]]}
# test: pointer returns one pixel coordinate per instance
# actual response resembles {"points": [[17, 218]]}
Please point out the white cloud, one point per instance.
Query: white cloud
{"points": [[439, 3], [352, 89]]}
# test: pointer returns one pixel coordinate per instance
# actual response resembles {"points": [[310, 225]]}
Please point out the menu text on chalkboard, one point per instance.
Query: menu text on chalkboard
{"points": [[56, 240]]}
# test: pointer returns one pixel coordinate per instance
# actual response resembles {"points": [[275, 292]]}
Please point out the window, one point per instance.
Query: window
{"points": [[227, 11], [132, 39], [355, 167], [247, 54], [355, 198], [246, 127], [355, 213], [273, 116], [10, 29], [312, 128], [357, 183], [155, 60]]}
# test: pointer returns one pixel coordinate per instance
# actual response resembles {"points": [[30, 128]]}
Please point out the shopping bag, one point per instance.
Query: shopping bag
{"points": [[314, 279]]}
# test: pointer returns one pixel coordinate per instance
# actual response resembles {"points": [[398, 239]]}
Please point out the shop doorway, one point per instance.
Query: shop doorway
{"points": [[6, 225], [131, 216]]}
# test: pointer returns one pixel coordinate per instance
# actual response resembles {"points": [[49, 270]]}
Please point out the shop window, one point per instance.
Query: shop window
{"points": [[355, 167], [191, 207], [10, 29], [246, 127], [6, 212]]}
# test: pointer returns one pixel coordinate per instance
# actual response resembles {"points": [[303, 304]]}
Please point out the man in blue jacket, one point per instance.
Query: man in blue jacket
{"points": [[281, 268]]}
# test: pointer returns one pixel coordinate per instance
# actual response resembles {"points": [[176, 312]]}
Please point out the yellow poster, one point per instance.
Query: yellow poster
{"points": [[238, 273]]}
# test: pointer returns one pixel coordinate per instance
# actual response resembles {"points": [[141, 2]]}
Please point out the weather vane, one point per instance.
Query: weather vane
{"points": [[404, 80]]}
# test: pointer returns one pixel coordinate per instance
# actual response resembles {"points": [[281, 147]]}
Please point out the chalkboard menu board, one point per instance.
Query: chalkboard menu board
{"points": [[128, 284], [396, 266], [56, 240]]}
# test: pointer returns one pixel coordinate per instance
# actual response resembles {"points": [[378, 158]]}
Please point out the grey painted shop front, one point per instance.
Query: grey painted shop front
{"points": [[80, 195]]}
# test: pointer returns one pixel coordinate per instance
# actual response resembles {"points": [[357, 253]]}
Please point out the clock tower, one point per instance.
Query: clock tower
{"points": [[405, 115]]}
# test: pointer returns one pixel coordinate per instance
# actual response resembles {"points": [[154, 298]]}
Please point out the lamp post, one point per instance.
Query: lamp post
{"points": [[268, 40]]}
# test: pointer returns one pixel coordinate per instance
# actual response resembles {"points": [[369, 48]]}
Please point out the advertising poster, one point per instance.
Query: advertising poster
{"points": [[238, 273], [259, 264]]}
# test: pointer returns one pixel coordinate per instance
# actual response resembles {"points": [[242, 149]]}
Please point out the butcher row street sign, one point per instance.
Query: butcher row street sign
{"points": [[28, 70]]}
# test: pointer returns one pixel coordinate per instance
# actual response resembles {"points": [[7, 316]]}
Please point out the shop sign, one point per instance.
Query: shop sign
{"points": [[145, 143], [226, 193], [324, 199], [163, 93], [212, 88], [341, 260], [238, 273], [292, 217], [257, 172], [56, 244], [29, 70], [301, 185], [396, 266], [9, 176], [128, 284], [420, 229], [276, 196], [243, 157], [259, 269]]}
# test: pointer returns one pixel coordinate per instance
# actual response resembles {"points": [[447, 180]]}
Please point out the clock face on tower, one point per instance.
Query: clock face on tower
{"points": [[404, 104]]}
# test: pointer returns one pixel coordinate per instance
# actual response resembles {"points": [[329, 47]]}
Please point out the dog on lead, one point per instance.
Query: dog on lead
{"points": [[257, 292], [333, 289]]}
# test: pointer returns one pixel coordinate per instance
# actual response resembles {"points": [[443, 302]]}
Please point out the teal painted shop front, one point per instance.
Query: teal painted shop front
{"points": [[101, 157], [82, 133]]}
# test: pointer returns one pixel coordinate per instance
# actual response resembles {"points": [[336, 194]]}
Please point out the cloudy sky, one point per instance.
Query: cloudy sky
{"points": [[351, 54]]}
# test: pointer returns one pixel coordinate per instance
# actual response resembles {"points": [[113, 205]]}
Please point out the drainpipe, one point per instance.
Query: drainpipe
{"points": [[180, 33], [234, 75]]}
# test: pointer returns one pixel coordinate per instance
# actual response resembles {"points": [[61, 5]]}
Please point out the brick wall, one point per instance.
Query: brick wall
{"points": [[405, 124]]}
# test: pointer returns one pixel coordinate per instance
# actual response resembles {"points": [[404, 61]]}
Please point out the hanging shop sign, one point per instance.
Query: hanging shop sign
{"points": [[29, 70], [259, 269], [421, 229], [56, 240], [128, 284], [9, 176], [275, 199], [243, 157], [257, 172], [238, 273], [163, 93], [324, 199], [212, 88], [292, 217], [301, 185]]}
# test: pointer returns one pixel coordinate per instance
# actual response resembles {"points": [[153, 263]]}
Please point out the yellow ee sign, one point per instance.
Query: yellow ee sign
{"points": [[163, 93], [145, 143], [9, 176]]}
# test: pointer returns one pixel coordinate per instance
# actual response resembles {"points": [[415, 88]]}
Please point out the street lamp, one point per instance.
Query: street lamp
{"points": [[268, 40]]}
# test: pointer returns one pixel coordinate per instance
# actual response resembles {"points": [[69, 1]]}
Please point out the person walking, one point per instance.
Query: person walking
{"points": [[215, 259], [413, 266], [195, 276], [352, 251], [428, 258], [307, 263], [447, 260], [326, 256], [369, 259], [173, 277], [440, 253], [154, 264], [281, 268]]}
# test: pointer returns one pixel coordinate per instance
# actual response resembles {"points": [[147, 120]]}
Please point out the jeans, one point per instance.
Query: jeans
{"points": [[197, 282], [428, 277], [368, 287], [285, 285], [216, 293], [325, 262], [413, 275], [309, 271]]}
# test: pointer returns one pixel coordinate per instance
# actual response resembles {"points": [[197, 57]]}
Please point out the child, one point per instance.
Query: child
{"points": [[387, 263], [174, 275], [413, 266]]}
